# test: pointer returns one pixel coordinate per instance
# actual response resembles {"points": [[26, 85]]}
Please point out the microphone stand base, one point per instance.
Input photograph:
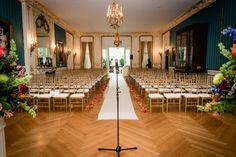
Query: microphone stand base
{"points": [[118, 149]]}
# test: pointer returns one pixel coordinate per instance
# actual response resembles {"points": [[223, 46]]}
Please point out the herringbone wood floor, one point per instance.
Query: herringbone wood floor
{"points": [[79, 134]]}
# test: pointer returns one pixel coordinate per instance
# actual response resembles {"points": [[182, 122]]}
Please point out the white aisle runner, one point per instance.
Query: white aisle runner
{"points": [[109, 108]]}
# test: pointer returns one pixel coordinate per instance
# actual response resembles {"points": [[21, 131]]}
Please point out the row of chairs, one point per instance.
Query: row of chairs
{"points": [[65, 91], [165, 89], [59, 100]]}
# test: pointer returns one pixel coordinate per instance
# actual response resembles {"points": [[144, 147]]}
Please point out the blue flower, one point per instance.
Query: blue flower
{"points": [[215, 89], [231, 32]]}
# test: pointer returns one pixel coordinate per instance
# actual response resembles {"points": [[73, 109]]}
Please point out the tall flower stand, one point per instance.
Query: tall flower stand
{"points": [[2, 138]]}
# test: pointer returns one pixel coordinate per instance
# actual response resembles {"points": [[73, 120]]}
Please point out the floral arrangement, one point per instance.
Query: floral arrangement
{"points": [[224, 88], [13, 88]]}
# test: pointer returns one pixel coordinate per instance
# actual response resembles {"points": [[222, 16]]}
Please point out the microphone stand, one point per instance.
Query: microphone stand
{"points": [[118, 148]]}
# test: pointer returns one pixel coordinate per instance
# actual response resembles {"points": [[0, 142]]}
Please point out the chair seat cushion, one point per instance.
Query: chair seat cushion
{"points": [[69, 91], [60, 95], [164, 90], [177, 90], [34, 90], [190, 95], [205, 95], [33, 95], [155, 96], [46, 96], [172, 96], [151, 90], [82, 91], [77, 96]]}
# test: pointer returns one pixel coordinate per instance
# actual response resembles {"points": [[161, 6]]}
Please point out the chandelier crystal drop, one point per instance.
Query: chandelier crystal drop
{"points": [[117, 40], [114, 15]]}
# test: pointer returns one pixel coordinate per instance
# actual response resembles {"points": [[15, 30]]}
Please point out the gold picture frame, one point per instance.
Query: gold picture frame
{"points": [[1, 33], [60, 54]]}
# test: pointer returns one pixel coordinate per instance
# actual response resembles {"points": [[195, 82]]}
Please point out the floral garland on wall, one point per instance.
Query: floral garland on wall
{"points": [[224, 88], [13, 89]]}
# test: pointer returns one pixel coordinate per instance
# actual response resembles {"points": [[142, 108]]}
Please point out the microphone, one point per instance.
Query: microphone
{"points": [[116, 65]]}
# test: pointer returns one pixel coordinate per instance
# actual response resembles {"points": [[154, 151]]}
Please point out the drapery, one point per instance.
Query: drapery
{"points": [[145, 55], [149, 50], [87, 60], [90, 46], [141, 53], [83, 53]]}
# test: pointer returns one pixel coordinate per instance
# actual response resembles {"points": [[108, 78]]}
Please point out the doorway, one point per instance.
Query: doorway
{"points": [[116, 54], [167, 60], [112, 54]]}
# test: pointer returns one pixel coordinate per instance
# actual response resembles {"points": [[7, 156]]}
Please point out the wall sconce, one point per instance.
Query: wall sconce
{"points": [[33, 46], [161, 59], [74, 54], [67, 52], [53, 49]]}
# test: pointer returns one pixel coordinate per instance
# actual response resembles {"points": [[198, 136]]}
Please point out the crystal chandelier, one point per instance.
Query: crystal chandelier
{"points": [[114, 15], [117, 40]]}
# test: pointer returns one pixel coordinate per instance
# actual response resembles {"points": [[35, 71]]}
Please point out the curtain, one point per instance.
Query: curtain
{"points": [[145, 55], [141, 53], [83, 53], [149, 50], [87, 60], [90, 46]]}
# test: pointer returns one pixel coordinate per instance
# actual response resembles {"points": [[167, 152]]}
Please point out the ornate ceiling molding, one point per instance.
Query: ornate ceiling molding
{"points": [[199, 6], [110, 33], [36, 4]]}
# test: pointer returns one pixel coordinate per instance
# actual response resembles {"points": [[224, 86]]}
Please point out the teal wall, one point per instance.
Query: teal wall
{"points": [[218, 16], [60, 35], [10, 10]]}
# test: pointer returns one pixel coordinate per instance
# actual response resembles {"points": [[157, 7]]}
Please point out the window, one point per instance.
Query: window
{"points": [[127, 57], [42, 55]]}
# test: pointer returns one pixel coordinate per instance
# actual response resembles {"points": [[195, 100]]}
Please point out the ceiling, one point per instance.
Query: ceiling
{"points": [[139, 15]]}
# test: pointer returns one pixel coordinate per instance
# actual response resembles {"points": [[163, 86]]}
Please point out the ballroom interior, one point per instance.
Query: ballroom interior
{"points": [[153, 78]]}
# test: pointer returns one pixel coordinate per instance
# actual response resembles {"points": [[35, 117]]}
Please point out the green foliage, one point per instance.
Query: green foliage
{"points": [[122, 62], [224, 89], [104, 63], [13, 90]]}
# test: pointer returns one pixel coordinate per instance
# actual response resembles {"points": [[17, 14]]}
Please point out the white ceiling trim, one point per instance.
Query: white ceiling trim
{"points": [[139, 15]]}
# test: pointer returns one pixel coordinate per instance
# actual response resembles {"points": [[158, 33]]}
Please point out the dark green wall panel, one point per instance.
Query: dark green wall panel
{"points": [[60, 35], [218, 16], [11, 11]]}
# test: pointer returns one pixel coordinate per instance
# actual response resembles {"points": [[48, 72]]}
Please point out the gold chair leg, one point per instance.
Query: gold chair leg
{"points": [[186, 100], [167, 107], [82, 104]]}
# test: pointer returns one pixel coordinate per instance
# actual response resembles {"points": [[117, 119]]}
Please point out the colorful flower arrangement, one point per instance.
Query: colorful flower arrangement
{"points": [[224, 88], [13, 89]]}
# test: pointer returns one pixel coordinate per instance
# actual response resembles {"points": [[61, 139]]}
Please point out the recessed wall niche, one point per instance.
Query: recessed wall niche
{"points": [[43, 49], [87, 52], [145, 50]]}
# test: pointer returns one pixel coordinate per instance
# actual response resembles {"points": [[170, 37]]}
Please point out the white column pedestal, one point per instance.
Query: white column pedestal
{"points": [[2, 138]]}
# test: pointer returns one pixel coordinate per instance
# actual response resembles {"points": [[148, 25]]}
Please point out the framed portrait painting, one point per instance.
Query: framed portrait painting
{"points": [[6, 33], [60, 55], [1, 34]]}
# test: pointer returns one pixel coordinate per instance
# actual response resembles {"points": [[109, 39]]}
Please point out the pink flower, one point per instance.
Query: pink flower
{"points": [[20, 73], [8, 114], [143, 109], [22, 96], [23, 88], [234, 53], [18, 67], [2, 52], [0, 106], [223, 85], [13, 63]]}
